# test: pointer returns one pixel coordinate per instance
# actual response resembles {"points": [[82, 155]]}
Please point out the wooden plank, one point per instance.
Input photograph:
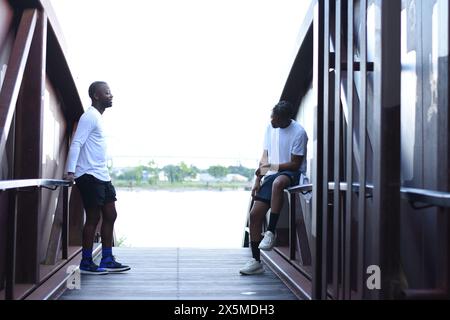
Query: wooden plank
{"points": [[14, 73], [182, 273]]}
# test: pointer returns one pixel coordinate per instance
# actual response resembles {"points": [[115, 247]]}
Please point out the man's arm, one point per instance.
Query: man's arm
{"points": [[293, 165], [84, 129], [264, 160]]}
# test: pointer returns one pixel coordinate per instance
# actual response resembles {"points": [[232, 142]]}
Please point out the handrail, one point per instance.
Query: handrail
{"points": [[13, 188], [413, 195], [301, 188], [18, 184], [431, 197]]}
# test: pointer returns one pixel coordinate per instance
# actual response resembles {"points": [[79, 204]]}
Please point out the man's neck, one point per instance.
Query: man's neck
{"points": [[287, 124], [99, 108]]}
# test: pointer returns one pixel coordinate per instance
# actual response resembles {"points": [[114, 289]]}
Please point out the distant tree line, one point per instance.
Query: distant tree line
{"points": [[177, 173]]}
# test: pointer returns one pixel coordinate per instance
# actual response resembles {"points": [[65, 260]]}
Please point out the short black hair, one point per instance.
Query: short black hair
{"points": [[283, 109], [93, 88]]}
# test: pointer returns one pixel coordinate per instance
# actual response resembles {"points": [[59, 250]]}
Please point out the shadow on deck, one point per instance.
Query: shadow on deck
{"points": [[181, 274]]}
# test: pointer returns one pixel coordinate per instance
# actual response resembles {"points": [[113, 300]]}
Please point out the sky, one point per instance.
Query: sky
{"points": [[193, 81]]}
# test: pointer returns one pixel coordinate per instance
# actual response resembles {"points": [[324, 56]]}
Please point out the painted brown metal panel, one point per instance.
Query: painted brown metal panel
{"points": [[362, 149], [349, 155], [76, 218], [425, 232], [13, 77], [28, 154], [54, 153], [386, 194], [337, 227], [6, 19], [319, 23]]}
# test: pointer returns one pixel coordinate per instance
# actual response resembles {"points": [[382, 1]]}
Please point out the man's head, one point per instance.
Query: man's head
{"points": [[100, 94], [282, 114]]}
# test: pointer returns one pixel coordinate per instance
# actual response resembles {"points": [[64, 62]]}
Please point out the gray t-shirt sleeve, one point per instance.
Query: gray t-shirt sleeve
{"points": [[300, 143]]}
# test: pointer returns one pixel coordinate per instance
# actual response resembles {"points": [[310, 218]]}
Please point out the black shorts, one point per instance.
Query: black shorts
{"points": [[265, 192], [95, 192]]}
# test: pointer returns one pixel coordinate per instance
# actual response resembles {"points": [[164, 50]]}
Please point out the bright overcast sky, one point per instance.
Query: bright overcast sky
{"points": [[190, 79]]}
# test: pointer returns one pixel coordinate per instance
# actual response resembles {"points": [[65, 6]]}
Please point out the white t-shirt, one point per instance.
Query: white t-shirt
{"points": [[87, 154], [282, 143]]}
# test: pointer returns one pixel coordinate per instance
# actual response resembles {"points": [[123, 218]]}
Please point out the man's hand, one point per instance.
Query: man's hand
{"points": [[256, 187], [266, 167], [69, 176]]}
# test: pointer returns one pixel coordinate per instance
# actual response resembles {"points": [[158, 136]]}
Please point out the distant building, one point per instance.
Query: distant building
{"points": [[162, 176], [206, 177]]}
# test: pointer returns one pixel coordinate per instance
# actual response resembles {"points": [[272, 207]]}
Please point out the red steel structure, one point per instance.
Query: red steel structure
{"points": [[39, 106]]}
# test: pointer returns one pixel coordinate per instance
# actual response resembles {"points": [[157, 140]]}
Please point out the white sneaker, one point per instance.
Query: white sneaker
{"points": [[252, 267], [268, 242]]}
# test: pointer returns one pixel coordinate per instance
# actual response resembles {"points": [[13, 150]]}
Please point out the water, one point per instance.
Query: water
{"points": [[196, 219]]}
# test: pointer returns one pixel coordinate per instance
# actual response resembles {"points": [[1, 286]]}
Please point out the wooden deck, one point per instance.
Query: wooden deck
{"points": [[181, 274]]}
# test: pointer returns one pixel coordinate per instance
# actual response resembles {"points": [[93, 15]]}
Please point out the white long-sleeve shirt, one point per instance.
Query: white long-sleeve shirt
{"points": [[87, 154]]}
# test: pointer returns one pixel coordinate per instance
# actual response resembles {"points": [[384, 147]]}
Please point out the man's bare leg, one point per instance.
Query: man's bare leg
{"points": [[92, 219], [257, 216], [109, 217], [278, 186]]}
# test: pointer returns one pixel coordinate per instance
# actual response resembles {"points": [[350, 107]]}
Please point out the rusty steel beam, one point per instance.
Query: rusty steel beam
{"points": [[14, 73]]}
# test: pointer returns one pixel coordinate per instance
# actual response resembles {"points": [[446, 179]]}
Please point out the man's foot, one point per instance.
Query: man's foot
{"points": [[87, 266], [268, 242], [252, 267], [111, 265]]}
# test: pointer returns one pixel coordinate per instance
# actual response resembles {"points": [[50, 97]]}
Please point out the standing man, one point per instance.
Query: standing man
{"points": [[281, 166], [86, 164]]}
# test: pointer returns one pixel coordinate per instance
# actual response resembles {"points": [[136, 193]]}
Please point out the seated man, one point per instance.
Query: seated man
{"points": [[282, 164]]}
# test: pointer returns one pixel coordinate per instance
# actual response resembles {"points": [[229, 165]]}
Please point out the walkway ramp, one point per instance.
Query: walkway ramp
{"points": [[181, 274]]}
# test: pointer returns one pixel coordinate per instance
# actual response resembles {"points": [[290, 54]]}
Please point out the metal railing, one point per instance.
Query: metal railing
{"points": [[13, 187], [417, 198]]}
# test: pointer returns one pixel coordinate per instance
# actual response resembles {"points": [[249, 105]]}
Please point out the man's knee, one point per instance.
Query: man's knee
{"points": [[258, 212], [109, 213], [254, 216], [280, 183], [92, 216]]}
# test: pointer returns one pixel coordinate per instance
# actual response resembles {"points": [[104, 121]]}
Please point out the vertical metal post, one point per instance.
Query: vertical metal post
{"points": [[292, 229], [65, 223], [11, 246], [318, 177], [325, 146], [337, 148], [385, 220], [362, 149], [349, 169]]}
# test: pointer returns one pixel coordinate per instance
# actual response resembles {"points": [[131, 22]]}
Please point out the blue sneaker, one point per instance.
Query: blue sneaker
{"points": [[111, 265], [87, 266]]}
